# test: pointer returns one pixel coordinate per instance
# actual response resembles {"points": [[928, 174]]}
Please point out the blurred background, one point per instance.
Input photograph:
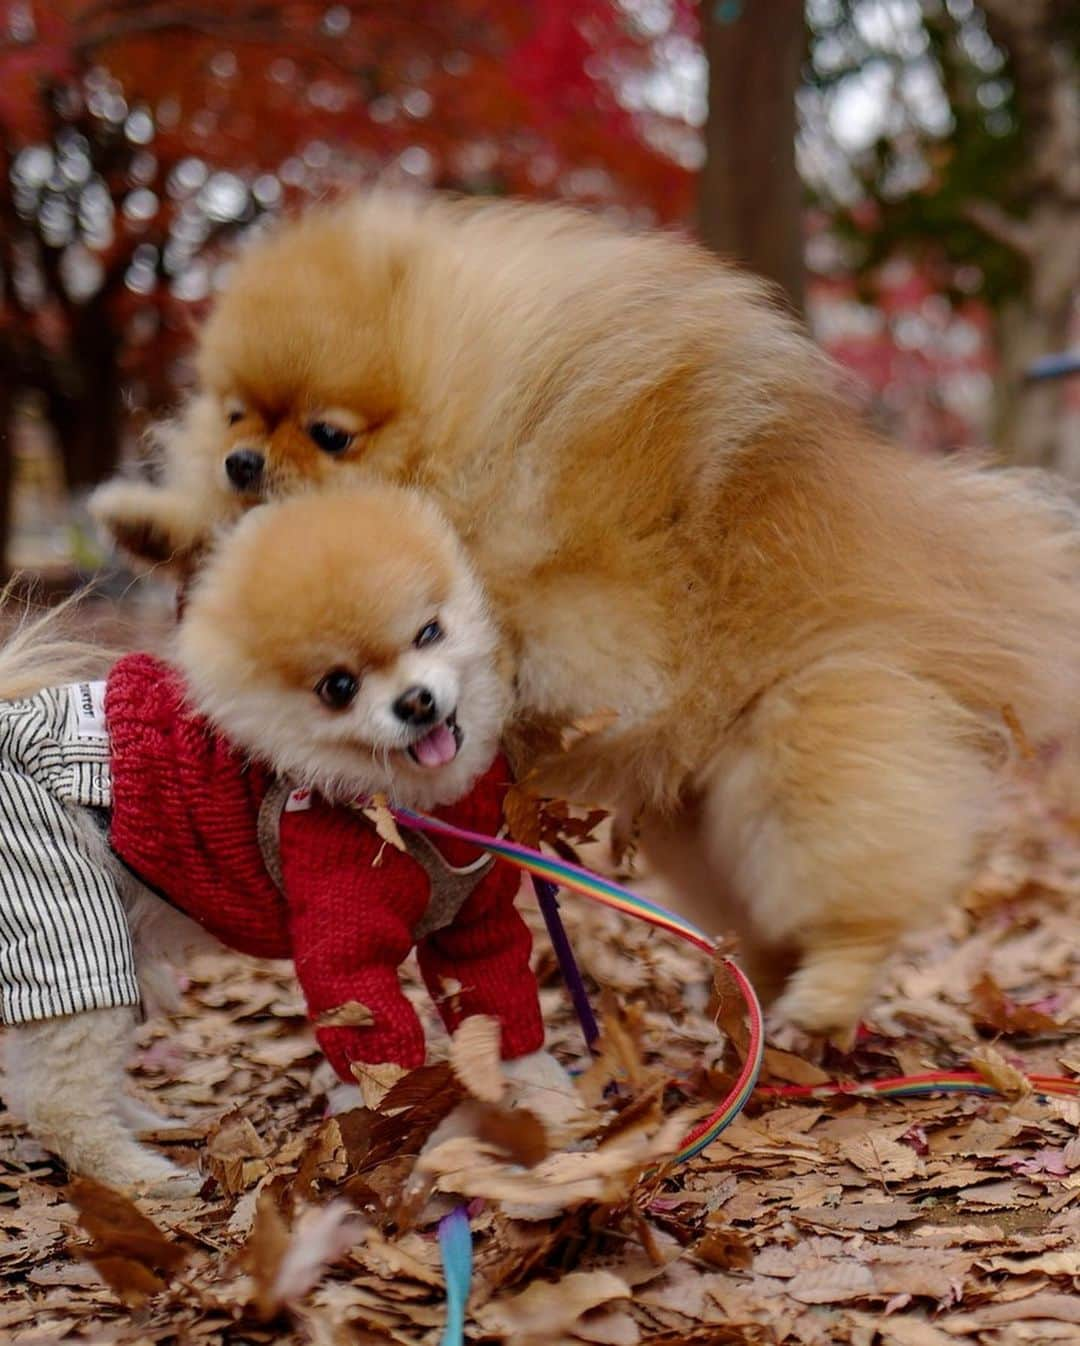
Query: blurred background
{"points": [[907, 170]]}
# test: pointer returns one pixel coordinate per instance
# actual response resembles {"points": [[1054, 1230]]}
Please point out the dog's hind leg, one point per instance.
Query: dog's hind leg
{"points": [[698, 886], [851, 806], [69, 1074]]}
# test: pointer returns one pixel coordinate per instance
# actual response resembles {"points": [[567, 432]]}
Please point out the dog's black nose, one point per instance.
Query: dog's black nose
{"points": [[244, 467], [416, 706]]}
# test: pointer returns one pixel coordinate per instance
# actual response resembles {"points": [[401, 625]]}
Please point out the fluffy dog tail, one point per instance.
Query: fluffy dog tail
{"points": [[40, 653]]}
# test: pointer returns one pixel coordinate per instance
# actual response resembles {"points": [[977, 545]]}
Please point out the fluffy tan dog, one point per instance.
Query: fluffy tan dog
{"points": [[809, 635]]}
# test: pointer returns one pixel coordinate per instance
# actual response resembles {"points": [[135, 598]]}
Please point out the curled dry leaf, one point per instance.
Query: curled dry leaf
{"points": [[994, 1009], [350, 1015], [520, 1134], [470, 1167], [546, 1309], [377, 811], [536, 821], [130, 1252], [725, 1248], [995, 1070], [521, 810], [728, 1010], [433, 1086], [475, 1057], [376, 1081], [618, 1056], [792, 1069], [286, 1263], [235, 1154]]}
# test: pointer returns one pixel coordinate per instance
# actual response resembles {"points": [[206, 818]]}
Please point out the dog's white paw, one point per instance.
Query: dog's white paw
{"points": [[343, 1098], [141, 1116], [539, 1084], [141, 1172], [174, 1186]]}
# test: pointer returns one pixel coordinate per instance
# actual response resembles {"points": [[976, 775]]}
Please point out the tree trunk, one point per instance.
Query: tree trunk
{"points": [[750, 197], [1033, 425], [84, 402]]}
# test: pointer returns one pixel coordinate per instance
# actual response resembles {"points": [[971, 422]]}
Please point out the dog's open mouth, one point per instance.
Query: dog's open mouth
{"points": [[439, 746]]}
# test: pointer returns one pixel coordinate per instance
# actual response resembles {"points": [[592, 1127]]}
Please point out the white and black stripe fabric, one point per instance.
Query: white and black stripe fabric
{"points": [[65, 945]]}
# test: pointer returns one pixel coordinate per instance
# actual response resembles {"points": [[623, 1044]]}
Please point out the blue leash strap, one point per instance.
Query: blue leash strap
{"points": [[455, 1244], [548, 901]]}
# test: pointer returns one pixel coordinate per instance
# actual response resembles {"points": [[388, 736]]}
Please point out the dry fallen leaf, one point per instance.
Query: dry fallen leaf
{"points": [[376, 1081], [998, 1011], [545, 1310], [377, 811], [129, 1251], [475, 1057], [470, 1167], [286, 1263], [350, 1015], [791, 1069], [995, 1070], [235, 1154], [521, 810], [519, 1134]]}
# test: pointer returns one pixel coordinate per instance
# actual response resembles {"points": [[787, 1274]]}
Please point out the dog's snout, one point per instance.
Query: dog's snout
{"points": [[244, 468], [415, 706]]}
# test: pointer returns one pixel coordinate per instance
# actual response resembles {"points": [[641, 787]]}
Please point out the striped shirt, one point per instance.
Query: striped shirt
{"points": [[65, 945]]}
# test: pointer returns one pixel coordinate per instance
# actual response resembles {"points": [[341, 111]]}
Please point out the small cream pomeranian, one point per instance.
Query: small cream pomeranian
{"points": [[314, 598], [808, 635]]}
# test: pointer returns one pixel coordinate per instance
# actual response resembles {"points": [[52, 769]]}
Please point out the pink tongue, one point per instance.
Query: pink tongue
{"points": [[436, 748]]}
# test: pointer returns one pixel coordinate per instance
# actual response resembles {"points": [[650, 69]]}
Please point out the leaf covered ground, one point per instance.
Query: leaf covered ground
{"points": [[873, 1222]]}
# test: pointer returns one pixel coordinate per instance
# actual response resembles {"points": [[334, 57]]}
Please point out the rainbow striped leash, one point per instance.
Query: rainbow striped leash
{"points": [[552, 870]]}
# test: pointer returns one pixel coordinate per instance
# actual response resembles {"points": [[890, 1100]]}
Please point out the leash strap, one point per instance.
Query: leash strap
{"points": [[564, 875], [553, 870], [548, 902], [455, 1244]]}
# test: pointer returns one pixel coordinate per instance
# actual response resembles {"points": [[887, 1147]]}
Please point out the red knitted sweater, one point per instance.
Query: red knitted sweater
{"points": [[184, 818]]}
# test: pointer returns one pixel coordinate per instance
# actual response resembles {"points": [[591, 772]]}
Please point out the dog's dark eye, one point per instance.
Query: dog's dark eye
{"points": [[338, 689], [329, 438], [235, 415], [428, 635]]}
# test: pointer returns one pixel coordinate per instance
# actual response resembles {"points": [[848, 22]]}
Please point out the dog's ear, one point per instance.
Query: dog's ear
{"points": [[151, 524]]}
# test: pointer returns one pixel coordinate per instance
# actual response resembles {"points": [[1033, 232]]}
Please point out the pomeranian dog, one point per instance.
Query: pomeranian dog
{"points": [[340, 642], [808, 634]]}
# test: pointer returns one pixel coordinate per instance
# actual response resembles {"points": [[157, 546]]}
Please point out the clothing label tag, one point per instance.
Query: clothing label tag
{"points": [[298, 801], [89, 702]]}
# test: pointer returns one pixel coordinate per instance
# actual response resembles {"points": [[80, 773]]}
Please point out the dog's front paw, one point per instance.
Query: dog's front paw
{"points": [[148, 522], [343, 1098], [540, 1085]]}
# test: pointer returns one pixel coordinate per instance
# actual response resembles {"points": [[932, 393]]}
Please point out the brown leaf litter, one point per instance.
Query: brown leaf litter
{"points": [[843, 1222]]}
